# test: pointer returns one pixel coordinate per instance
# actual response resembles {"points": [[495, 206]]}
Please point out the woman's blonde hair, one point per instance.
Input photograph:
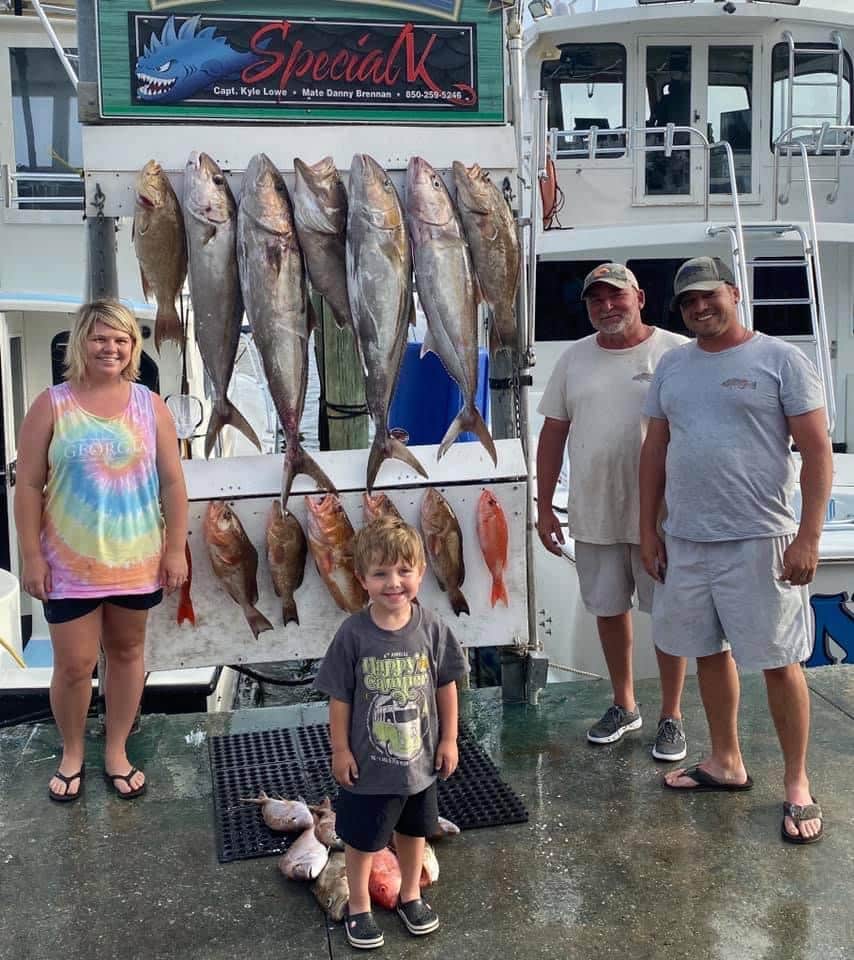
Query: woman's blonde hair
{"points": [[112, 314], [387, 540]]}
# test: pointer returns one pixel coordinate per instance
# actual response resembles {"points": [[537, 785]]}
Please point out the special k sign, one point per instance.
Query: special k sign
{"points": [[196, 63]]}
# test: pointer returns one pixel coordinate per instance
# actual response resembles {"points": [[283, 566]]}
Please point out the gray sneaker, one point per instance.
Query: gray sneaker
{"points": [[615, 722], [670, 743]]}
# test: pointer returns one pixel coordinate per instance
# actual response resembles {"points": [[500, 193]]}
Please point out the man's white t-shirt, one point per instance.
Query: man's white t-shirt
{"points": [[601, 392]]}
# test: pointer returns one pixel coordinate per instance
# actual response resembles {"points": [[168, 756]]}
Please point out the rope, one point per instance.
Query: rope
{"points": [[581, 673], [343, 411]]}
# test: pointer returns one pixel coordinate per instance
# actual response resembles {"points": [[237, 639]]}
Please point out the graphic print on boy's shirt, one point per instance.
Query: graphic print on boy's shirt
{"points": [[398, 716]]}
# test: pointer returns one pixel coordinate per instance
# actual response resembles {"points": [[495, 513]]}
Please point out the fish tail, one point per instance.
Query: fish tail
{"points": [[227, 413], [499, 591], [258, 623], [289, 611], [386, 448], [468, 419], [167, 325], [298, 461], [458, 601], [185, 608]]}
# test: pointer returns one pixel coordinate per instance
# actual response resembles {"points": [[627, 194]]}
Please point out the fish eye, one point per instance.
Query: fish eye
{"points": [[435, 181], [165, 67], [218, 179]]}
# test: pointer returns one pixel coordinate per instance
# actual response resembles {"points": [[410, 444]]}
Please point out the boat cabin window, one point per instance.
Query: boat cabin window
{"points": [[730, 115], [587, 88], [48, 151], [819, 91]]}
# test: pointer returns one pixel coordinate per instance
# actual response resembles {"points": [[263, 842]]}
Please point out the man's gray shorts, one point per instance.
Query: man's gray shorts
{"points": [[730, 591], [608, 574]]}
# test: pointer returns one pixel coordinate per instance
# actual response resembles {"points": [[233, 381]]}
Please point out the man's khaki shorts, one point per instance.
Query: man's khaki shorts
{"points": [[609, 574], [729, 591]]}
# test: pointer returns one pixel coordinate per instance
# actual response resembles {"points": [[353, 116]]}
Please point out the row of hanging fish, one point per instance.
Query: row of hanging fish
{"points": [[329, 537], [358, 248]]}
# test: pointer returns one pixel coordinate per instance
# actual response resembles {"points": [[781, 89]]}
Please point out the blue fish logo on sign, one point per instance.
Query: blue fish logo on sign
{"points": [[446, 9], [180, 63]]}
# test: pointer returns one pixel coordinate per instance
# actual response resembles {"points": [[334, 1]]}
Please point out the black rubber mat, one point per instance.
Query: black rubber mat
{"points": [[295, 763]]}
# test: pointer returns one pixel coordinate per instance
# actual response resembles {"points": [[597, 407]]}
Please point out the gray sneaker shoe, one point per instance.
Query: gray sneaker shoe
{"points": [[670, 743], [615, 722]]}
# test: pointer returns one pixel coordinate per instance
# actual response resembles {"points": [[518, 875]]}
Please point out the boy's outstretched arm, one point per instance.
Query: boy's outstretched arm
{"points": [[344, 767], [447, 755]]}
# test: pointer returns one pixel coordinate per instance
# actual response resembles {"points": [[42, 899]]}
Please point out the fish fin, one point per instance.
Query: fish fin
{"points": [[340, 320], [412, 315], [289, 612], [499, 591], [258, 623], [464, 421], [312, 319], [208, 235], [386, 448], [458, 602], [495, 342], [434, 545], [185, 609], [229, 414], [167, 325], [146, 286], [300, 462], [428, 346]]}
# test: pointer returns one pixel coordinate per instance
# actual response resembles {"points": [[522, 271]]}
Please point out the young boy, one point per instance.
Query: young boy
{"points": [[389, 674]]}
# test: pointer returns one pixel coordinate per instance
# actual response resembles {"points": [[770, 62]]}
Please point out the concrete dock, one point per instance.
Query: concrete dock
{"points": [[610, 864]]}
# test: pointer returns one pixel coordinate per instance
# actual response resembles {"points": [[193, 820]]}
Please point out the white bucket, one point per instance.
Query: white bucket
{"points": [[10, 620]]}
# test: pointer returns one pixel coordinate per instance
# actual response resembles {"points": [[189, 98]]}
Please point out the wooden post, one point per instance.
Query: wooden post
{"points": [[343, 414]]}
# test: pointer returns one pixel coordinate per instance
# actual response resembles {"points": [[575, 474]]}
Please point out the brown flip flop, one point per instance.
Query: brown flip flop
{"points": [[707, 783]]}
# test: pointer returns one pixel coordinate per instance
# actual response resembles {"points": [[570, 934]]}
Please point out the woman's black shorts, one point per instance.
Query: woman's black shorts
{"points": [[65, 610], [365, 821]]}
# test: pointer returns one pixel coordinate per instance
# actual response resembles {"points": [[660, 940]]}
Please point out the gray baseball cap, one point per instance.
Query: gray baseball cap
{"points": [[614, 274], [701, 273]]}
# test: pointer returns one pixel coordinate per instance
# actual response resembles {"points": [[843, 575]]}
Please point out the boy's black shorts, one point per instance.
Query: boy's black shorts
{"points": [[365, 821]]}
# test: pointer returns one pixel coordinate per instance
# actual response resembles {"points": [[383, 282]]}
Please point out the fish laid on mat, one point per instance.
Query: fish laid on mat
{"points": [[384, 879], [161, 248], [185, 605], [320, 208], [429, 867], [446, 829], [379, 287], [331, 889], [306, 857], [235, 561], [286, 553], [287, 816], [324, 825], [276, 299], [443, 541], [210, 219], [494, 243], [378, 505], [493, 536], [444, 277], [330, 539]]}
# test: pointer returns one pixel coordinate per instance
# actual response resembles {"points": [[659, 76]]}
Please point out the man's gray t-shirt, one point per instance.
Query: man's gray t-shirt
{"points": [[730, 474], [390, 679]]}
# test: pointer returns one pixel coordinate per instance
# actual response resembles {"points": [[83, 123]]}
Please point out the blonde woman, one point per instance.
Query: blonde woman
{"points": [[101, 512]]}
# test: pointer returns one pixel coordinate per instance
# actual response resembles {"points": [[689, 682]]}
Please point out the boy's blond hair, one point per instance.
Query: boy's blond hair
{"points": [[387, 540], [112, 314]]}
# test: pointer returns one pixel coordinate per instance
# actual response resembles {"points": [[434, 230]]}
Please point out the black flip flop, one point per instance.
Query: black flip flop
{"points": [[707, 783], [799, 813], [68, 797], [127, 777]]}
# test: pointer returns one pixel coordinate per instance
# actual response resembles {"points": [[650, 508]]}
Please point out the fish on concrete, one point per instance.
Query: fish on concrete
{"points": [[494, 244], [330, 539], [160, 244], [286, 553], [185, 604], [276, 299], [285, 816], [378, 505], [443, 542], [210, 220], [384, 880], [492, 533], [235, 561], [331, 889], [429, 867], [444, 277], [320, 208], [324, 824], [379, 288], [445, 829], [306, 857]]}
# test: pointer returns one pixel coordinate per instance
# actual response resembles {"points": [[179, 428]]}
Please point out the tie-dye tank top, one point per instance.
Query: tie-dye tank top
{"points": [[102, 528]]}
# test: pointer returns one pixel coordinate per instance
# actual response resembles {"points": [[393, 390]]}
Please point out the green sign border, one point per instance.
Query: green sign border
{"points": [[115, 68]]}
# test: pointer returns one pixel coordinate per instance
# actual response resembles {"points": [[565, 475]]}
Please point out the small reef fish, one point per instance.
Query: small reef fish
{"points": [[493, 536], [185, 606], [429, 867], [286, 816], [324, 825], [446, 829], [286, 553], [331, 889], [330, 539], [384, 879], [443, 540], [235, 561], [306, 858]]}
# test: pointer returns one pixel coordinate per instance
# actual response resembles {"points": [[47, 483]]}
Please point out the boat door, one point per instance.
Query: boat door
{"points": [[712, 87], [11, 403]]}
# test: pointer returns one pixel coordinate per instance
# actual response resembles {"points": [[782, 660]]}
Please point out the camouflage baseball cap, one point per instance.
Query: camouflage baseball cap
{"points": [[701, 273], [614, 274]]}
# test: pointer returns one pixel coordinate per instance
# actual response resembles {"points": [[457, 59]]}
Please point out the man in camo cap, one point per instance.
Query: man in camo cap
{"points": [[593, 400]]}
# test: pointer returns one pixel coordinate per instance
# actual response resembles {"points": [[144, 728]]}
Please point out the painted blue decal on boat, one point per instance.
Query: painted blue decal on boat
{"points": [[833, 621]]}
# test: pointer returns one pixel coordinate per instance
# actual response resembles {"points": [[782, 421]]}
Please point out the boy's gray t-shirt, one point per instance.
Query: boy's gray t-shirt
{"points": [[730, 474], [390, 679]]}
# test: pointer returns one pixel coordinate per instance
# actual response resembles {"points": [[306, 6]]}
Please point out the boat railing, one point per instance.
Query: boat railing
{"points": [[37, 197], [798, 142]]}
